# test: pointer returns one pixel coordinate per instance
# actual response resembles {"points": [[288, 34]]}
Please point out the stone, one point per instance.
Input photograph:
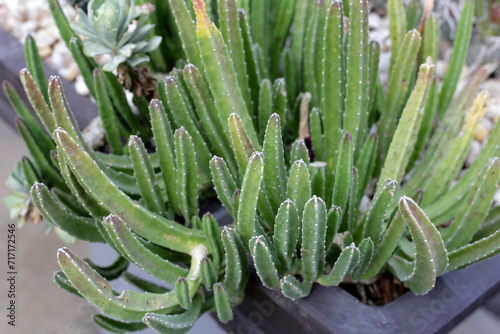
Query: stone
{"points": [[70, 73], [481, 133], [493, 112], [47, 36], [80, 86], [44, 51], [487, 123]]}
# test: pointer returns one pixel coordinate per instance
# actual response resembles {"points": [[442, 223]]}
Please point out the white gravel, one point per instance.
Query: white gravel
{"points": [[24, 17]]}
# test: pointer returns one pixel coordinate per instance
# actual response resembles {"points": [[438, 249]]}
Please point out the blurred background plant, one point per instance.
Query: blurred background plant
{"points": [[259, 97]]}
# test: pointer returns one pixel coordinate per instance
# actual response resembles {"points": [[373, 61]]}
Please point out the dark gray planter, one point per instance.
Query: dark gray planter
{"points": [[333, 310]]}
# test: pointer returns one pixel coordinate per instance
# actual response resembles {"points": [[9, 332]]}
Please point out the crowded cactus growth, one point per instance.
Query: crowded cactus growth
{"points": [[277, 111]]}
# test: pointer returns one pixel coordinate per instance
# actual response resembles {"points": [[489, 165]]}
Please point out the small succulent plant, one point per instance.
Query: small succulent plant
{"points": [[290, 126], [107, 30]]}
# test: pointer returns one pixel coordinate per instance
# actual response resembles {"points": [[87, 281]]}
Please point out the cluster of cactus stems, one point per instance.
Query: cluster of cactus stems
{"points": [[278, 106]]}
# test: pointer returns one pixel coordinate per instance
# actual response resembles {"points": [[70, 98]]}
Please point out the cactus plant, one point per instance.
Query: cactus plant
{"points": [[290, 158]]}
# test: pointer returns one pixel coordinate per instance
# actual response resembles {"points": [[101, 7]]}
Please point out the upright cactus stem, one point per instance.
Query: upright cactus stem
{"points": [[355, 55], [406, 133], [220, 73]]}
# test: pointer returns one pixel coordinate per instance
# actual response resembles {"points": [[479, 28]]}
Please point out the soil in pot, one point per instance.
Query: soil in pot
{"points": [[381, 292]]}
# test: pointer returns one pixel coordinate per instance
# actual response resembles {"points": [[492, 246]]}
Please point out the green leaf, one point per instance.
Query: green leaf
{"points": [[406, 133], [145, 175], [61, 22], [474, 208], [474, 252], [355, 55], [182, 293], [317, 137], [137, 253], [313, 239], [242, 145], [165, 148], [208, 115], [398, 85], [212, 232], [85, 64], [42, 138], [377, 210], [231, 31], [366, 253], [236, 276], [265, 106], [332, 99], [220, 73], [224, 183], [386, 246], [107, 114], [35, 65], [286, 234], [343, 172], [208, 274], [274, 180], [222, 304], [47, 168], [129, 306], [116, 326], [348, 259], [187, 31], [62, 281], [177, 323], [250, 190], [299, 187], [40, 106], [458, 57], [263, 261], [141, 220], [397, 27], [318, 178], [187, 175], [452, 163], [431, 258], [293, 289], [182, 116]]}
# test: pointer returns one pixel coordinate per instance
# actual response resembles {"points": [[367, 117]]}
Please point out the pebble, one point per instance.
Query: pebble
{"points": [[93, 134], [493, 112], [44, 51], [365, 203], [80, 86], [46, 36], [32, 17], [482, 132], [70, 73], [440, 69], [487, 123]]}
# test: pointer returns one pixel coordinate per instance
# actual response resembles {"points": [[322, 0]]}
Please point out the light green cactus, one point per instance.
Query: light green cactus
{"points": [[278, 105]]}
